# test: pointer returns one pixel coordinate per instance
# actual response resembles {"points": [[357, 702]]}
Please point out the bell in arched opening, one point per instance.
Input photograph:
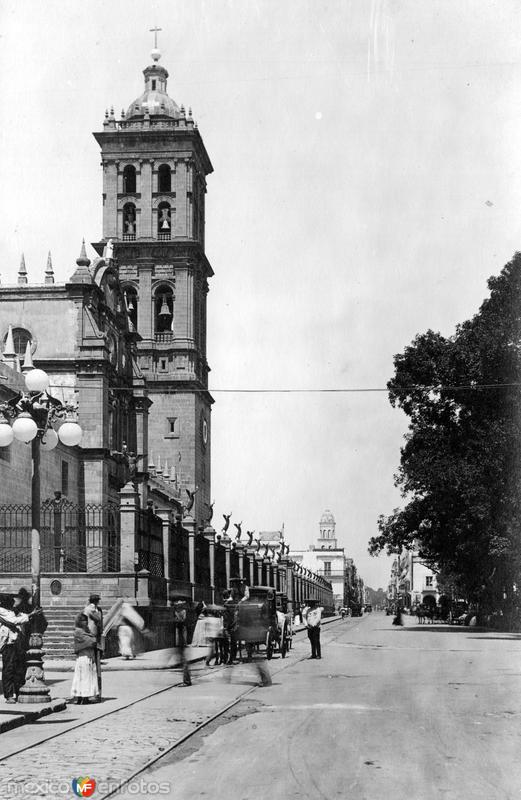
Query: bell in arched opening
{"points": [[164, 311]]}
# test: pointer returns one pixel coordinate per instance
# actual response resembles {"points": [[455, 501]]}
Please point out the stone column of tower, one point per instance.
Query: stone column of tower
{"points": [[154, 180], [327, 535]]}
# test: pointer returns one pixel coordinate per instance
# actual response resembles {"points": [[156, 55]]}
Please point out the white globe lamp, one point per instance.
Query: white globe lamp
{"points": [[70, 433], [37, 380], [24, 428], [6, 434], [49, 439]]}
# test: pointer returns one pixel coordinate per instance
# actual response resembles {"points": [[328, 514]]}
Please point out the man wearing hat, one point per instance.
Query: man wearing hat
{"points": [[312, 616], [181, 636]]}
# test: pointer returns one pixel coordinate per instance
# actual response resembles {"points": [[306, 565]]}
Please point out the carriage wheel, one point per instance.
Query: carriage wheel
{"points": [[269, 645], [283, 643]]}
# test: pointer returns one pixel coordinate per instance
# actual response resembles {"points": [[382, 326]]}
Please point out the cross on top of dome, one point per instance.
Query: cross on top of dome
{"points": [[156, 53]]}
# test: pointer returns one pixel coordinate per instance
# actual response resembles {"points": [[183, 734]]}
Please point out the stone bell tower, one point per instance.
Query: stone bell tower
{"points": [[154, 185]]}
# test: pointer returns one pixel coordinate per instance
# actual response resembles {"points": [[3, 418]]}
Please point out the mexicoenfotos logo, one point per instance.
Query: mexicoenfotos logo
{"points": [[83, 787]]}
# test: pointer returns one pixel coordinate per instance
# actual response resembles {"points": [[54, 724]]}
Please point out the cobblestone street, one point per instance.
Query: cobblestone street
{"points": [[442, 702]]}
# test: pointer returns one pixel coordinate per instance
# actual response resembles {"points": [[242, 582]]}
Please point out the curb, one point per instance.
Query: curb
{"points": [[30, 713]]}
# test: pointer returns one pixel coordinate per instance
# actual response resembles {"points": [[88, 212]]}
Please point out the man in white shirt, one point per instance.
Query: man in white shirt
{"points": [[312, 616]]}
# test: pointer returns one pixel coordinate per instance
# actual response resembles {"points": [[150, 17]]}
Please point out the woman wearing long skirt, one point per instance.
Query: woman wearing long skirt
{"points": [[85, 680], [200, 637], [126, 640]]}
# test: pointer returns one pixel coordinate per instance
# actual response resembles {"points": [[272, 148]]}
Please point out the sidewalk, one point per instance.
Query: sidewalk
{"points": [[156, 663], [153, 659]]}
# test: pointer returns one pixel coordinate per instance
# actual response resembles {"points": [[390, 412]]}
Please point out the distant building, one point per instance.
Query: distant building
{"points": [[326, 558], [412, 582]]}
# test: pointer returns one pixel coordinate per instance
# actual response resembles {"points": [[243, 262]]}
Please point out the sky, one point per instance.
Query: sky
{"points": [[367, 182]]}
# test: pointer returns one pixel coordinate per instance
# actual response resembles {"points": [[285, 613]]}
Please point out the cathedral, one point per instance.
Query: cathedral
{"points": [[123, 342], [125, 336], [126, 511]]}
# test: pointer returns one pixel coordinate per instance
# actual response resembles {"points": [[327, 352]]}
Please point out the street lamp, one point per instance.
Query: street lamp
{"points": [[33, 415]]}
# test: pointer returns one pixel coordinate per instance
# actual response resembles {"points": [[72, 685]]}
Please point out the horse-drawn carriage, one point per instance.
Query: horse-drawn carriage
{"points": [[263, 621]]}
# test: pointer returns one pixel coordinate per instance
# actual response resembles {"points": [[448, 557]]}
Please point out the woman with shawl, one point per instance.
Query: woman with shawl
{"points": [[85, 680]]}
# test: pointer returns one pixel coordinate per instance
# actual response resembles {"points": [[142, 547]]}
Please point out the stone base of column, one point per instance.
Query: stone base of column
{"points": [[34, 689]]}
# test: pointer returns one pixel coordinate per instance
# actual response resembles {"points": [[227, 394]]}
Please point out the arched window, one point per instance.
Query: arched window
{"points": [[164, 178], [20, 339], [131, 301], [129, 179], [129, 221], [164, 310], [164, 221]]}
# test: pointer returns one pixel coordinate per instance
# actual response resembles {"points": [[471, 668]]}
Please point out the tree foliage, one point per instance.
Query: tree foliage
{"points": [[460, 464]]}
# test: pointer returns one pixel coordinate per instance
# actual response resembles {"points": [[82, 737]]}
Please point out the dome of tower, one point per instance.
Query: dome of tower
{"points": [[154, 100], [327, 518]]}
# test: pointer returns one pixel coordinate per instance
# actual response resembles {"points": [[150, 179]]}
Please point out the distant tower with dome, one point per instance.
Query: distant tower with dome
{"points": [[327, 535]]}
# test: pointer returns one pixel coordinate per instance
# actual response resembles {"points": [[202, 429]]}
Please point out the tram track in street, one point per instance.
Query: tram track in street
{"points": [[121, 781], [178, 743]]}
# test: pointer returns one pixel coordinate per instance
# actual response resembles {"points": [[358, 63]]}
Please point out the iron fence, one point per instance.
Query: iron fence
{"points": [[150, 543], [73, 538]]}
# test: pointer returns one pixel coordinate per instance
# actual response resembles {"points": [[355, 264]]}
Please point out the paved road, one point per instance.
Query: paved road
{"points": [[420, 712]]}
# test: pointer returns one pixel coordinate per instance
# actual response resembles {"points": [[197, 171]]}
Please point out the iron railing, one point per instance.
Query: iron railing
{"points": [[150, 543], [73, 538]]}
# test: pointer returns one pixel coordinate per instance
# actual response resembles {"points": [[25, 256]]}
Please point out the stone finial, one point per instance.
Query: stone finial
{"points": [[22, 272], [49, 273], [112, 111], [182, 110], [82, 274], [106, 113], [122, 113], [159, 468], [166, 471], [28, 358], [83, 260], [190, 111], [9, 343], [9, 355]]}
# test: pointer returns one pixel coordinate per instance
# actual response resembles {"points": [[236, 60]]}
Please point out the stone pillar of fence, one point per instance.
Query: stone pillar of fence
{"points": [[227, 547], [288, 581], [258, 565], [164, 515], [209, 534], [240, 553], [251, 562], [129, 507], [189, 525]]}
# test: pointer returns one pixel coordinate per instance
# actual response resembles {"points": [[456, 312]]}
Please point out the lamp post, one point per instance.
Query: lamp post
{"points": [[33, 414]]}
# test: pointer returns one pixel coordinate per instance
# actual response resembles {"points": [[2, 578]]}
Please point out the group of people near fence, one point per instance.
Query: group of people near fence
{"points": [[216, 628], [18, 619]]}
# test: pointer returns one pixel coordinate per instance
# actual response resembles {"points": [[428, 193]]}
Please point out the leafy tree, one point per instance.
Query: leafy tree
{"points": [[460, 466]]}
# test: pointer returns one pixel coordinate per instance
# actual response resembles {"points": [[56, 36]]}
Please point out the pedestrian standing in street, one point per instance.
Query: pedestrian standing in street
{"points": [[398, 619], [10, 630], [181, 638], [22, 607], [85, 680], [230, 627], [312, 616], [94, 616]]}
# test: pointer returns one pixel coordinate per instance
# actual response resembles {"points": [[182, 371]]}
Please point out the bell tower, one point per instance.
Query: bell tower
{"points": [[154, 185]]}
